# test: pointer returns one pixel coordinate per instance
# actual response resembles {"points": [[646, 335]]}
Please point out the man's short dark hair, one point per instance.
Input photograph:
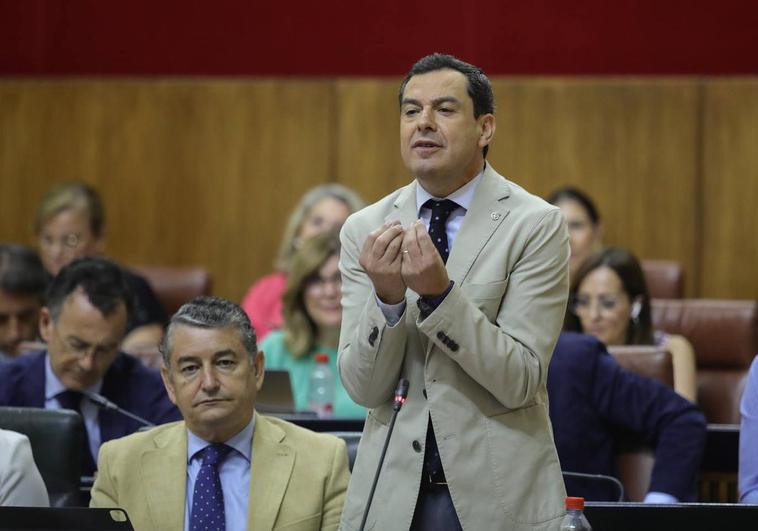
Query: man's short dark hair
{"points": [[211, 312], [478, 85], [102, 281], [21, 271]]}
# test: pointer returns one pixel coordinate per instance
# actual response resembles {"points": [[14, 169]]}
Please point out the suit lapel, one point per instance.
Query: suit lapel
{"points": [[485, 214], [164, 469], [31, 392], [270, 471], [405, 206]]}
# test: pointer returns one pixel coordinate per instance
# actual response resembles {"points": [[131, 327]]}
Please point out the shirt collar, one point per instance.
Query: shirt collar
{"points": [[54, 387], [242, 442], [462, 196]]}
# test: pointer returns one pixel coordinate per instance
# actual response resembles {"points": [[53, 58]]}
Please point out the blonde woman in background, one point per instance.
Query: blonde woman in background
{"points": [[312, 318], [70, 224], [323, 208]]}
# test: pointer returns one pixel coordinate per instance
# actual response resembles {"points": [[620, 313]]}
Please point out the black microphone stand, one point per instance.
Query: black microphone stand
{"points": [[101, 401], [400, 395]]}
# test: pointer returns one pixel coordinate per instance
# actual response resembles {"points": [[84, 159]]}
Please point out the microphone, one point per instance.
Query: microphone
{"points": [[401, 394], [104, 403]]}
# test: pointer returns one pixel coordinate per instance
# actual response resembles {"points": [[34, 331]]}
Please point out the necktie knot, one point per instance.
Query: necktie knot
{"points": [[70, 400], [213, 454], [441, 209]]}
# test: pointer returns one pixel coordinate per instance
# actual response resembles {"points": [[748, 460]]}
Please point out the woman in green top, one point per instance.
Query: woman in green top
{"points": [[312, 317]]}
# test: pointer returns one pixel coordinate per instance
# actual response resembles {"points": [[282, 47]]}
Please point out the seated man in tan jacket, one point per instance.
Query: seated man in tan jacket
{"points": [[224, 467]]}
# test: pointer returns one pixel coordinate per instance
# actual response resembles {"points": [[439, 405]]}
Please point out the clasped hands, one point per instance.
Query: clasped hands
{"points": [[396, 258]]}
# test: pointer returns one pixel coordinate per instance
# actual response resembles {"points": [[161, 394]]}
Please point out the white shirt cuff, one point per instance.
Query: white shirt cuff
{"points": [[392, 312], [659, 497]]}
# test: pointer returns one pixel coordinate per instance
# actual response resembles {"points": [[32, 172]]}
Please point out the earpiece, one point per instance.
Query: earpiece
{"points": [[636, 309]]}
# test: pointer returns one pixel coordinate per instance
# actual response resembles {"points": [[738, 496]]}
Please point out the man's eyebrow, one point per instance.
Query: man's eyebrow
{"points": [[435, 101]]}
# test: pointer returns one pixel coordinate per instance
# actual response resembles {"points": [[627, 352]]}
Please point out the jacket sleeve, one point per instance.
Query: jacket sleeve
{"points": [[748, 467], [336, 488], [510, 357], [104, 490], [671, 425], [370, 352]]}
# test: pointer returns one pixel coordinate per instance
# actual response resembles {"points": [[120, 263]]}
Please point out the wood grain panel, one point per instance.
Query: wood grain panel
{"points": [[730, 189], [367, 136], [205, 171], [630, 144], [192, 172]]}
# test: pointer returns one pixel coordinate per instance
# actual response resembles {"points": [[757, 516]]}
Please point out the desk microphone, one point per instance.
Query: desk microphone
{"points": [[400, 395], [104, 403]]}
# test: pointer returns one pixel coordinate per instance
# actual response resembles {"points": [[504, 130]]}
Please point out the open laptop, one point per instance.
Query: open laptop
{"points": [[63, 519], [276, 394]]}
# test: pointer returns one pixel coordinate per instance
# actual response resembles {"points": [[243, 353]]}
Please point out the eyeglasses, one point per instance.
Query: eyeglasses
{"points": [[72, 240], [582, 304], [319, 283]]}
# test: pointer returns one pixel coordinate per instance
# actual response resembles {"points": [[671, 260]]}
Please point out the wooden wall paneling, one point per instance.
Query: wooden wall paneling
{"points": [[730, 189], [191, 171], [631, 144], [368, 136]]}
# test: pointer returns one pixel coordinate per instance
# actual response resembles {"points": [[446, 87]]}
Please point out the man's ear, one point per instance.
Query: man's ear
{"points": [[259, 368], [45, 324], [166, 376], [487, 129]]}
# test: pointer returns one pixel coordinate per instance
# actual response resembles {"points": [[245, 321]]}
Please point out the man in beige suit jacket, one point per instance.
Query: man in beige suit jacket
{"points": [[275, 476], [473, 336]]}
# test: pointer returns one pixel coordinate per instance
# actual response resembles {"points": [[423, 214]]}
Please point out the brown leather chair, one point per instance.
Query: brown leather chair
{"points": [[634, 461], [664, 279], [724, 334], [176, 285]]}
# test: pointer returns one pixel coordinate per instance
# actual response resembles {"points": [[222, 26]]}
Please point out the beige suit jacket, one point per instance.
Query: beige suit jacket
{"points": [[298, 478], [478, 365]]}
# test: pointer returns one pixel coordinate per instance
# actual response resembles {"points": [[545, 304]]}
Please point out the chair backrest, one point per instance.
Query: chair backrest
{"points": [[56, 440], [635, 460], [352, 439], [724, 335], [664, 279], [176, 285]]}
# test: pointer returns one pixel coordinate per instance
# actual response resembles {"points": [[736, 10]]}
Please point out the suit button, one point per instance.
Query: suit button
{"points": [[441, 335], [453, 346], [417, 446], [423, 392]]}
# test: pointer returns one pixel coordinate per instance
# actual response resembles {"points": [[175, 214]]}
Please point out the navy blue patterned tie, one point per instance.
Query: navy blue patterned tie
{"points": [[208, 499], [441, 210], [73, 400]]}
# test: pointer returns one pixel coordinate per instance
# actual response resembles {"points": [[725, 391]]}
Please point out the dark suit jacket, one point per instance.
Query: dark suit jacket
{"points": [[127, 382], [593, 400]]}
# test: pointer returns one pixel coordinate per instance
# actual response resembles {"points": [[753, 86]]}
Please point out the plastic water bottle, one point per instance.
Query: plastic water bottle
{"points": [[574, 519], [321, 387]]}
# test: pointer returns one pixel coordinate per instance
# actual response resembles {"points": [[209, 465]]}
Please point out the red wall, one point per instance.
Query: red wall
{"points": [[327, 37]]}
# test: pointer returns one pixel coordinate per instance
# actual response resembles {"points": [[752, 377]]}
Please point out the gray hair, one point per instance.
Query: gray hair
{"points": [[211, 312]]}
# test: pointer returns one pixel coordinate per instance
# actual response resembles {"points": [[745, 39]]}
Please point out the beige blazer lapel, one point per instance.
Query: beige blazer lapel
{"points": [[164, 469], [270, 471], [404, 208], [485, 214]]}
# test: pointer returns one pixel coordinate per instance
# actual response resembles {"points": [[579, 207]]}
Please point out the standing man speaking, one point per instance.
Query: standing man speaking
{"points": [[457, 282]]}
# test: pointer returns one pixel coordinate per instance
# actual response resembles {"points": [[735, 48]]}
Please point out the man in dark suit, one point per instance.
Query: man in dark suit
{"points": [[592, 400], [88, 306]]}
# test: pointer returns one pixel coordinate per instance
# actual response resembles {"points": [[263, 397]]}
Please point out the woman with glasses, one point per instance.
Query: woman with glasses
{"points": [[609, 300], [312, 317], [321, 209], [583, 221], [69, 224]]}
